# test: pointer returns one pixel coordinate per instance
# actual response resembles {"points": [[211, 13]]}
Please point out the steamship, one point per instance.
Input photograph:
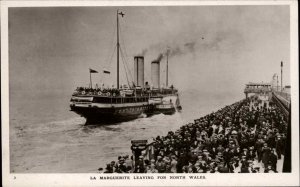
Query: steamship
{"points": [[126, 102]]}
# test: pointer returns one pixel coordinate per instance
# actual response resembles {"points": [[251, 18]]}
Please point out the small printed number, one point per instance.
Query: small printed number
{"points": [[15, 177]]}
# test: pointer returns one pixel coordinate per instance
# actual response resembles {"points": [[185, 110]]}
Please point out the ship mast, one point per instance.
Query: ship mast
{"points": [[167, 70], [118, 46]]}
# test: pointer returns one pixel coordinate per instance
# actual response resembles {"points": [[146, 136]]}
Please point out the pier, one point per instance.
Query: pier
{"points": [[249, 136]]}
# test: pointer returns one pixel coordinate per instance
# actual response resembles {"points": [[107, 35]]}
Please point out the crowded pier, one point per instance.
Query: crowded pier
{"points": [[248, 136]]}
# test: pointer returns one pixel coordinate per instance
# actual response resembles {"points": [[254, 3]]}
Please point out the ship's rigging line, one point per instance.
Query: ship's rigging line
{"points": [[125, 55], [127, 70], [122, 56], [109, 60]]}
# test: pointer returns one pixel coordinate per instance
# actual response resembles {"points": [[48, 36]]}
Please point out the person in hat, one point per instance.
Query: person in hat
{"points": [[167, 160], [121, 168], [160, 165], [173, 164], [180, 162], [219, 157], [227, 155], [278, 146], [212, 167], [220, 148], [100, 170], [231, 166], [251, 153], [168, 168], [265, 154], [139, 165], [108, 169], [197, 166], [245, 153], [191, 167], [193, 156], [244, 162], [213, 152], [128, 161], [258, 147], [113, 166], [273, 160]]}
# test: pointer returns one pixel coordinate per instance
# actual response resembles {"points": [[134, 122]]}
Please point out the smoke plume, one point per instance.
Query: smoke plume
{"points": [[175, 49], [160, 56]]}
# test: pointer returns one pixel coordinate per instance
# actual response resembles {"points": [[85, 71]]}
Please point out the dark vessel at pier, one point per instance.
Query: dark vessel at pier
{"points": [[126, 102]]}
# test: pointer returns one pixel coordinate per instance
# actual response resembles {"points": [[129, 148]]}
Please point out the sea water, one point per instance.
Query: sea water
{"points": [[46, 137]]}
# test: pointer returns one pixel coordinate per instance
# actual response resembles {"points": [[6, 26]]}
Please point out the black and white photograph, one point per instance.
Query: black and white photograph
{"points": [[154, 93]]}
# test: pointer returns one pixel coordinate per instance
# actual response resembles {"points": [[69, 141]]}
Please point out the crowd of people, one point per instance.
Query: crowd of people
{"points": [[96, 91], [245, 137]]}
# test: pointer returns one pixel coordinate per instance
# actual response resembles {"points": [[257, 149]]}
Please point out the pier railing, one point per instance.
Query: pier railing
{"points": [[283, 101], [284, 95]]}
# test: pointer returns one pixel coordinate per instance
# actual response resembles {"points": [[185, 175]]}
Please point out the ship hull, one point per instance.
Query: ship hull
{"points": [[100, 116], [107, 110]]}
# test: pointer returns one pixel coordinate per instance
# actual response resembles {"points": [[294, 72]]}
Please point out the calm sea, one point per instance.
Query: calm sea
{"points": [[45, 137]]}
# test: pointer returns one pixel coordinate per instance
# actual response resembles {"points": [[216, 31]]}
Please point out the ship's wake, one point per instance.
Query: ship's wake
{"points": [[142, 115]]}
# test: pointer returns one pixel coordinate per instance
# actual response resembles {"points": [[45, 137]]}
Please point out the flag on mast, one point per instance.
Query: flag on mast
{"points": [[122, 14], [106, 71], [93, 71]]}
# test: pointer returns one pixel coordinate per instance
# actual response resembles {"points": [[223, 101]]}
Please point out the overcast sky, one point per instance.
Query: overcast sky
{"points": [[213, 48]]}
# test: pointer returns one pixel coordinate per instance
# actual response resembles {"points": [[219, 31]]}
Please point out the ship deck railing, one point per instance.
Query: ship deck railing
{"points": [[114, 94]]}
